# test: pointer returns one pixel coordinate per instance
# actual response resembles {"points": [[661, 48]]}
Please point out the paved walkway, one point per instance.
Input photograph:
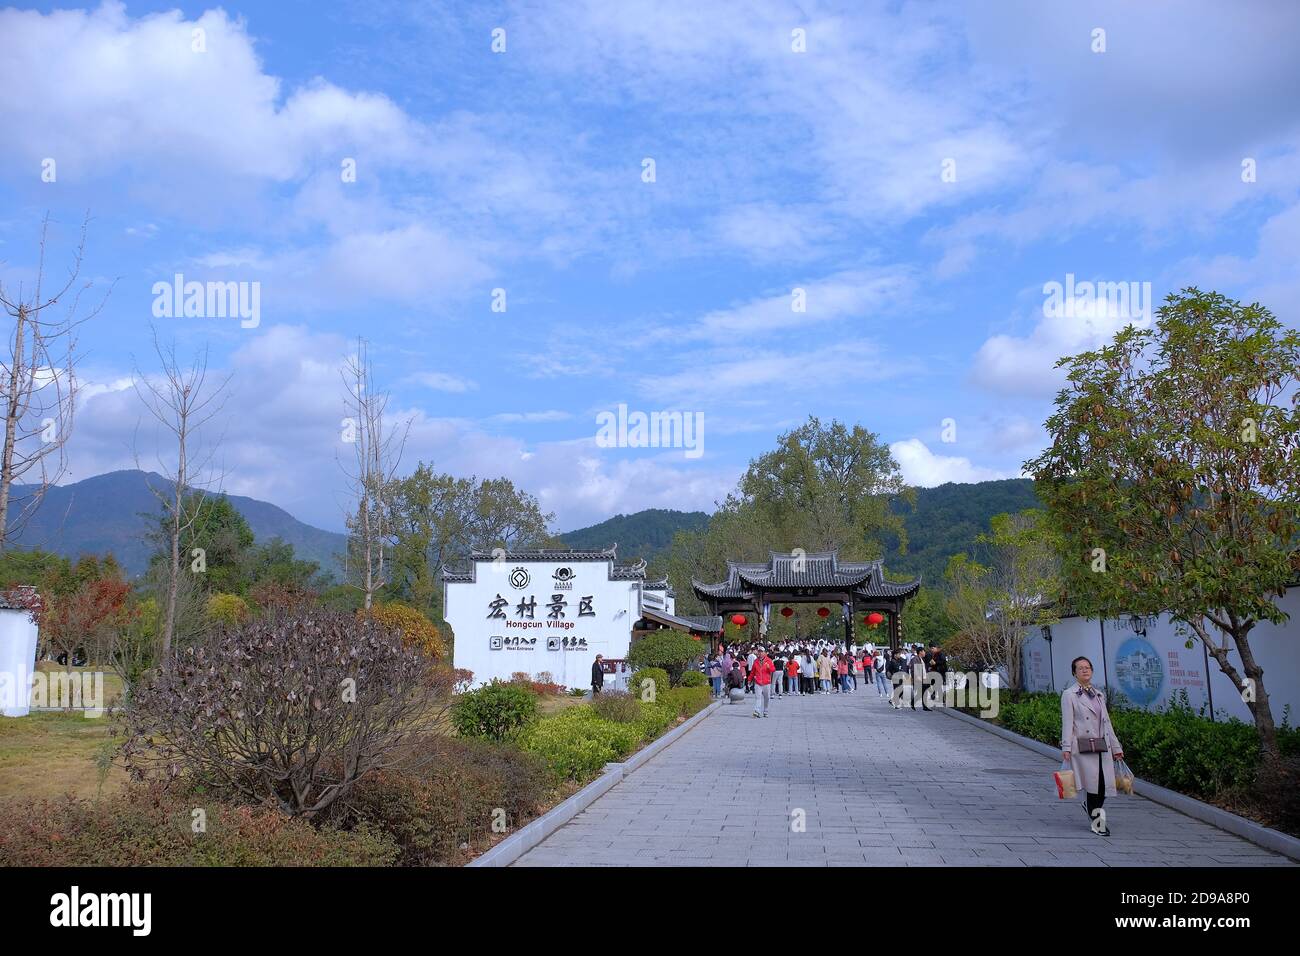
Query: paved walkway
{"points": [[877, 787]]}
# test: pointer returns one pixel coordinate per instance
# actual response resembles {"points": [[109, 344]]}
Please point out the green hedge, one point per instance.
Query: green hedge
{"points": [[687, 700], [578, 742], [693, 679], [656, 674]]}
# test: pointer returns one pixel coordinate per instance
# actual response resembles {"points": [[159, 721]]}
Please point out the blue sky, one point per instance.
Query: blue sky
{"points": [[522, 170]]}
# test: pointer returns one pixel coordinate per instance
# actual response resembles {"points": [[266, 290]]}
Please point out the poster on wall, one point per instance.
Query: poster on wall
{"points": [[1186, 669], [1138, 672], [1038, 671]]}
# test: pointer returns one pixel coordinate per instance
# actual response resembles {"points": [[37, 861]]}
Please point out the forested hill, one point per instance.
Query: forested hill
{"points": [[947, 520], [647, 534]]}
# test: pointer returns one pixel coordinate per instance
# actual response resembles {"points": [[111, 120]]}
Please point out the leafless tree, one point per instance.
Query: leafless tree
{"points": [[183, 402], [38, 384], [377, 452]]}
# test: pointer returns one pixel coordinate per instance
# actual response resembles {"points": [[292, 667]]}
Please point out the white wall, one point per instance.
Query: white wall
{"points": [[1277, 649], [17, 657], [607, 632]]}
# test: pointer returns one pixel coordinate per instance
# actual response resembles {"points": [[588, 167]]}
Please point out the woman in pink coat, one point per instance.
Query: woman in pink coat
{"points": [[1083, 718]]}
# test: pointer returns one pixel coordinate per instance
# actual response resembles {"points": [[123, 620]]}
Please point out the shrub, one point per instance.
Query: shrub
{"points": [[656, 674], [655, 718], [687, 701], [147, 826], [291, 707], [692, 679], [416, 629], [228, 609], [620, 707], [577, 743], [495, 711], [278, 596], [670, 650], [446, 796]]}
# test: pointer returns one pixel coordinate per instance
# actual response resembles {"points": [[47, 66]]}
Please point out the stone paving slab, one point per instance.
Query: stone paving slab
{"points": [[874, 787]]}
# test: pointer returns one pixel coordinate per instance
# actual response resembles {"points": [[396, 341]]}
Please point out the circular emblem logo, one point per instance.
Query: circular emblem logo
{"points": [[564, 574], [519, 578]]}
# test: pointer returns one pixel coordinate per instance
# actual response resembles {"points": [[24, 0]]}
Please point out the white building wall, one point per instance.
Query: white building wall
{"points": [[17, 661], [565, 647], [1172, 666]]}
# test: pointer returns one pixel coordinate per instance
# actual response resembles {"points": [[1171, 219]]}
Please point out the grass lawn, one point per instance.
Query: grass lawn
{"points": [[49, 753]]}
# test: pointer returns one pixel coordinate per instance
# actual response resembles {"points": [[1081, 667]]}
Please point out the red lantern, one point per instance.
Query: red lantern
{"points": [[738, 620], [874, 618], [787, 611], [695, 637], [823, 612]]}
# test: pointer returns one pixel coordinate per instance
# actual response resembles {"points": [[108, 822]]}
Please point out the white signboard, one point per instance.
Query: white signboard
{"points": [[551, 616]]}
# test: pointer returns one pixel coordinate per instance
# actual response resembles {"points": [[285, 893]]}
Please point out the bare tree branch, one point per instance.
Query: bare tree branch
{"points": [[38, 386]]}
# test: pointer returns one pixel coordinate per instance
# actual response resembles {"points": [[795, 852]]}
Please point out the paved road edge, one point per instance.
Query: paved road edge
{"points": [[1268, 838], [517, 844]]}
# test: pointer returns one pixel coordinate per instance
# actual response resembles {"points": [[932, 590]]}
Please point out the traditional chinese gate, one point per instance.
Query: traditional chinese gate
{"points": [[858, 587]]}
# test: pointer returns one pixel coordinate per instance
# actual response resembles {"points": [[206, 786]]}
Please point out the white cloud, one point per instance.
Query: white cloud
{"points": [[529, 418], [443, 382], [279, 439], [922, 467], [97, 89], [846, 295], [1026, 365]]}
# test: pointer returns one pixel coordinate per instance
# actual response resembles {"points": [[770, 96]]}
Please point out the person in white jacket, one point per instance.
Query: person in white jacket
{"points": [[1086, 734]]}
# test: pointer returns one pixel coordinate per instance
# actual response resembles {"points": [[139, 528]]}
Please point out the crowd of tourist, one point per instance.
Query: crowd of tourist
{"points": [[821, 667]]}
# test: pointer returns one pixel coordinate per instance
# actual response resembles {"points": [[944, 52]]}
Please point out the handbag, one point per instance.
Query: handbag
{"points": [[1092, 745], [1064, 778], [1123, 778]]}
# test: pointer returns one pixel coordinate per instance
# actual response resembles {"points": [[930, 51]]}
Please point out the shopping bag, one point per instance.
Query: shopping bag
{"points": [[1123, 777], [1065, 781], [1064, 778]]}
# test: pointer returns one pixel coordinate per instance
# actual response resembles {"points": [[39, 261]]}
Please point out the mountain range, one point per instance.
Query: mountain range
{"points": [[112, 513]]}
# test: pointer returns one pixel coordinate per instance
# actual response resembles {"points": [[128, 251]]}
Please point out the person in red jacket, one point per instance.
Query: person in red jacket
{"points": [[792, 672], [762, 677]]}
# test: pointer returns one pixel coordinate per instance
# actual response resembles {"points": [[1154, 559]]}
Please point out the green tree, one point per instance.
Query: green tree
{"points": [[925, 620], [824, 487], [1172, 477], [994, 606], [671, 650], [274, 563], [436, 519], [224, 537]]}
